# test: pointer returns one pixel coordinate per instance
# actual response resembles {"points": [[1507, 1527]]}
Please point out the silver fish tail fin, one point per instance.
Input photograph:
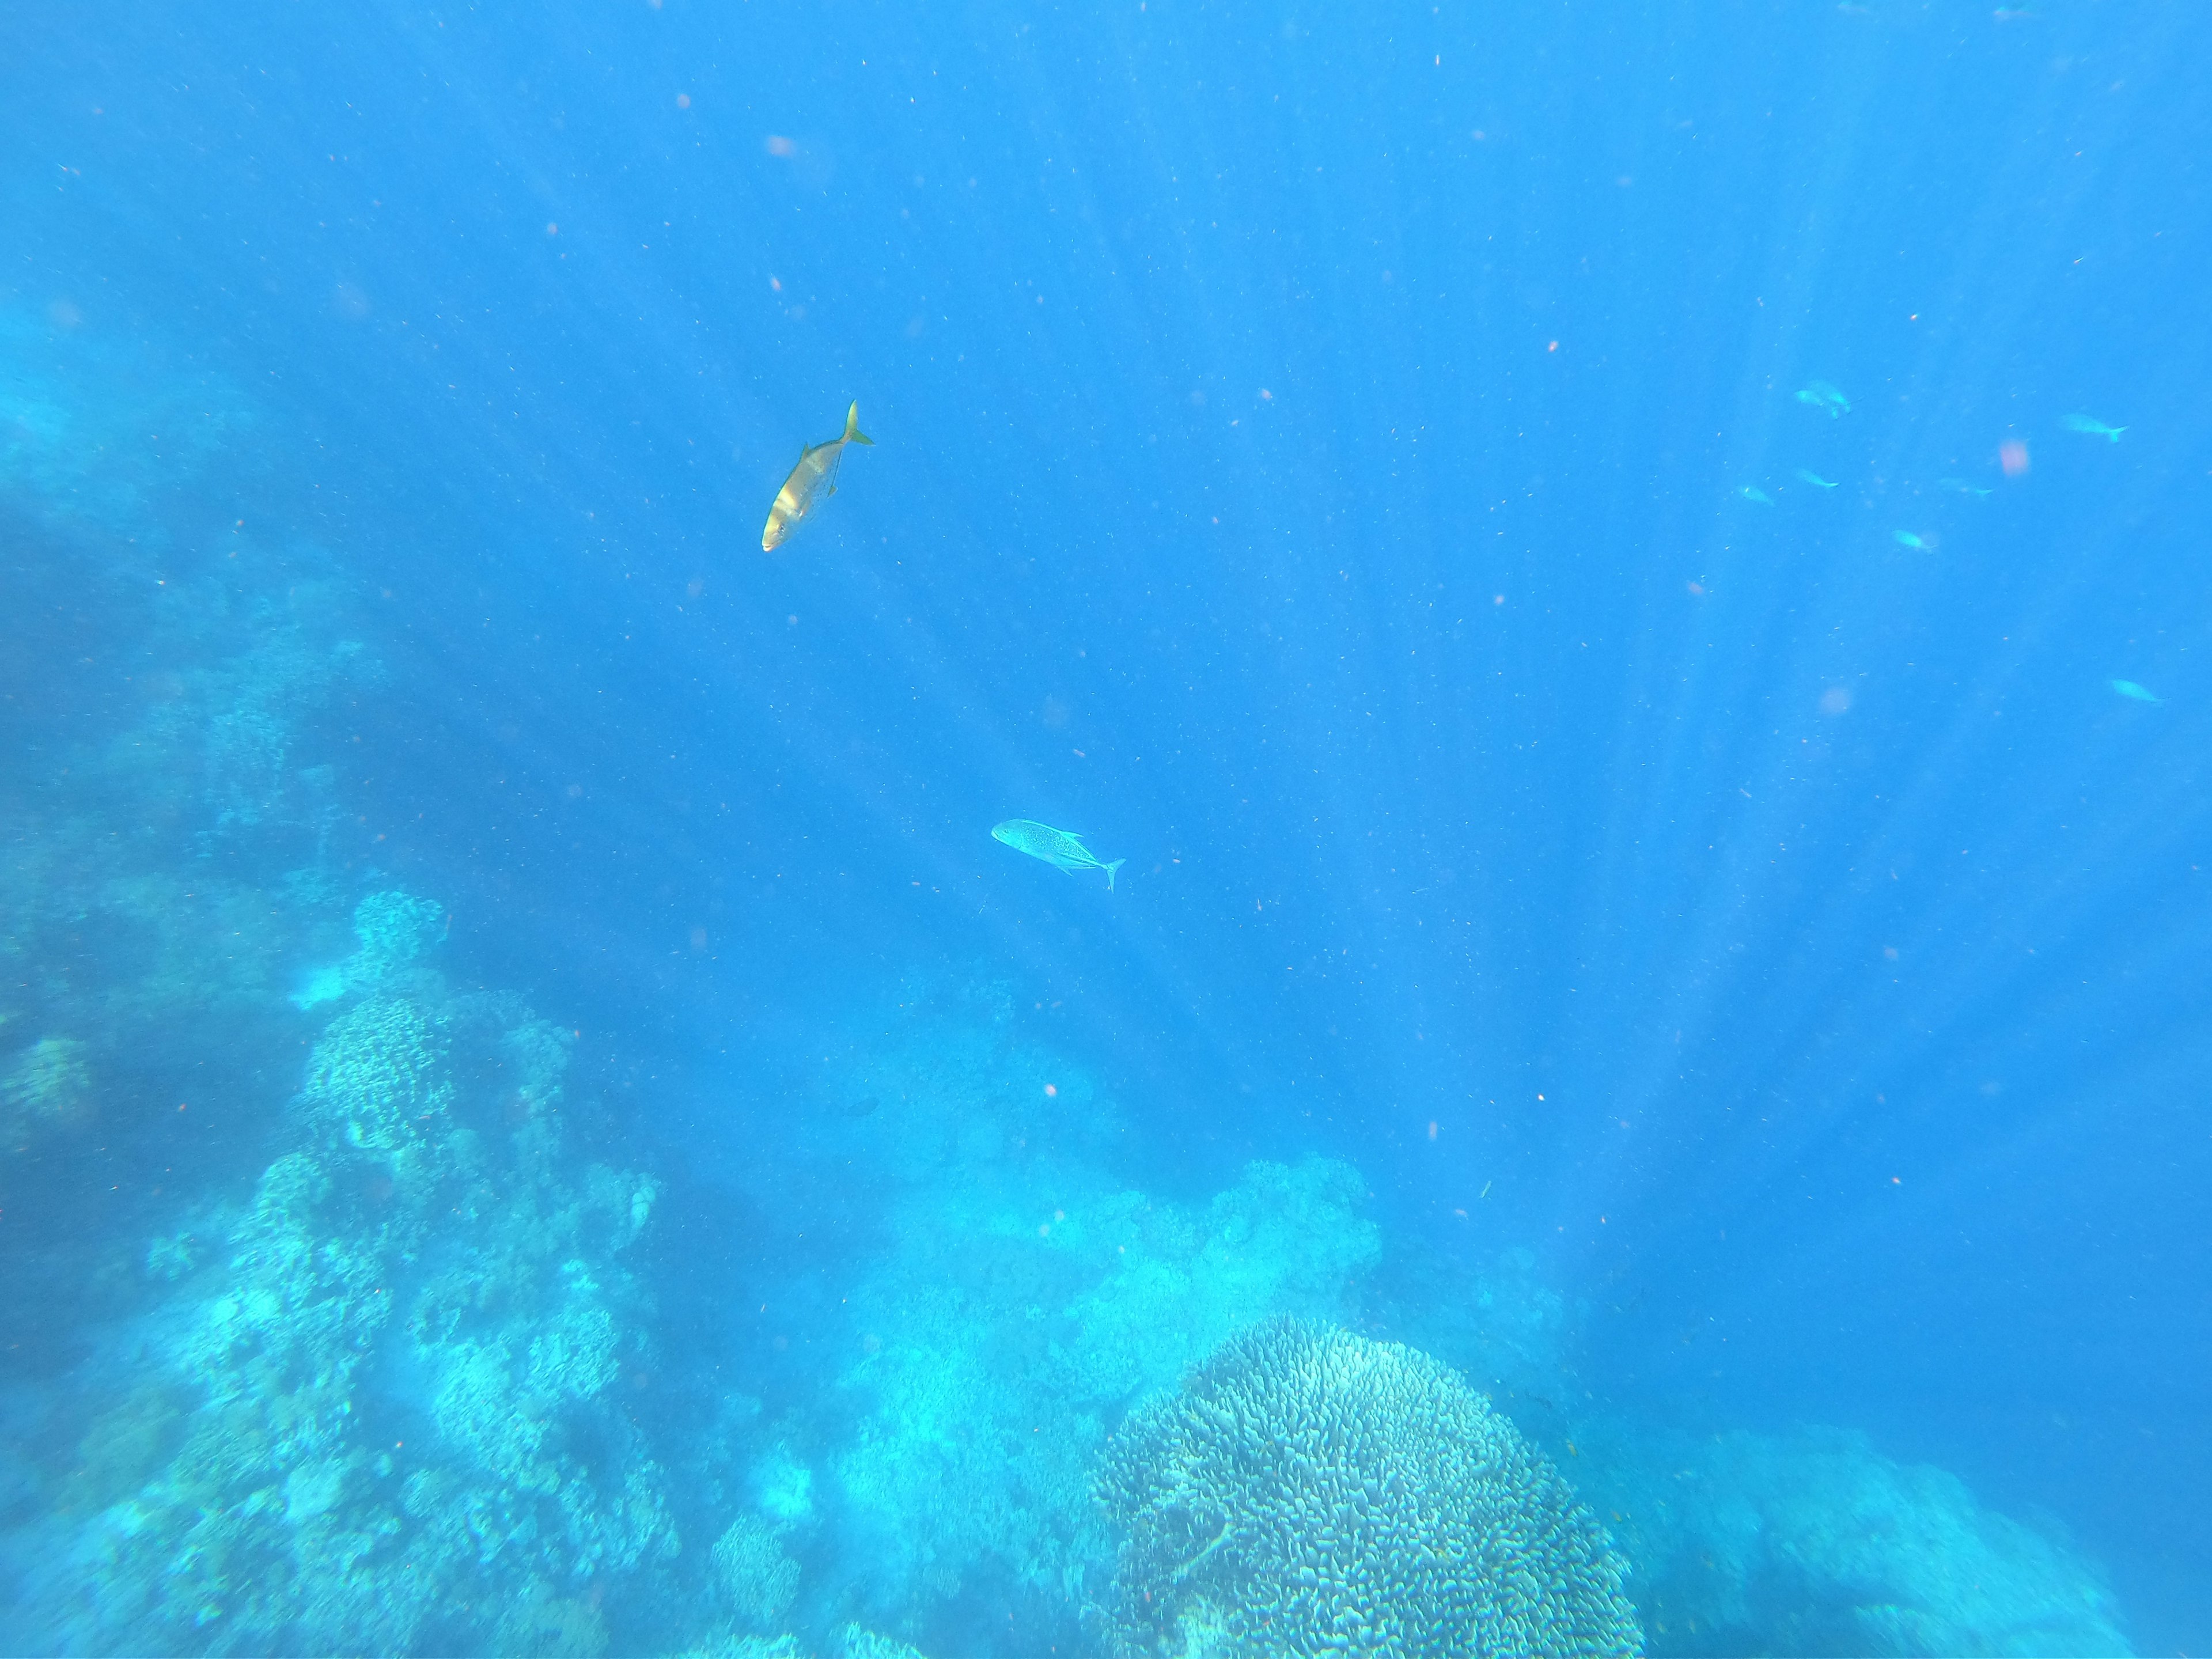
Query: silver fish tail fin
{"points": [[1110, 869], [853, 433]]}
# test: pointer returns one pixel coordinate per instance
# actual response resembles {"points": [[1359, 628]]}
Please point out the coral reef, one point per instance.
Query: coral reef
{"points": [[403, 1427], [757, 1580], [1492, 1319], [46, 1086], [393, 932], [94, 428], [849, 1641], [853, 1642], [161, 684], [221, 734], [390, 1395], [1308, 1492], [1004, 1337], [1813, 1542], [1005, 1299]]}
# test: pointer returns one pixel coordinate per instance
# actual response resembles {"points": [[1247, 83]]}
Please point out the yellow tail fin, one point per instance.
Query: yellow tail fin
{"points": [[853, 433]]}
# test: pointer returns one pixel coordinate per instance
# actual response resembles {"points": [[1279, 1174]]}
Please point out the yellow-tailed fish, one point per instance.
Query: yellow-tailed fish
{"points": [[814, 478], [1063, 849]]}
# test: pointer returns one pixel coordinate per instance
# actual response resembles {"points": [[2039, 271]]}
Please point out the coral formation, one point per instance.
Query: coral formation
{"points": [[757, 1580], [1308, 1490], [393, 932], [157, 719], [1004, 1337], [855, 1642], [1813, 1542], [1495, 1320], [403, 1430], [77, 406], [1018, 1299], [46, 1086]]}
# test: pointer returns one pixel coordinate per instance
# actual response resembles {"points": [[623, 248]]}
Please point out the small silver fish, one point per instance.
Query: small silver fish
{"points": [[1753, 493], [2140, 693], [1815, 479], [811, 481], [1825, 398], [1906, 538], [2093, 429], [1063, 849]]}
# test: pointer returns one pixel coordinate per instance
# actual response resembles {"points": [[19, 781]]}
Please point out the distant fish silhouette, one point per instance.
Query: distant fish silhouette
{"points": [[1063, 849], [2140, 693], [2093, 429], [813, 480], [1753, 493], [1815, 479], [1825, 398]]}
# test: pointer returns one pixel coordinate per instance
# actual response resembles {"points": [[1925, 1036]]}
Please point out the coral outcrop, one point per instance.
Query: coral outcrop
{"points": [[755, 1578], [45, 1086], [402, 1425], [393, 932], [1019, 1300], [1310, 1492], [1004, 1338], [1813, 1542]]}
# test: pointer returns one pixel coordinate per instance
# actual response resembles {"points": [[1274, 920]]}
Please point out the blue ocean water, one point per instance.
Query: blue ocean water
{"points": [[1626, 585]]}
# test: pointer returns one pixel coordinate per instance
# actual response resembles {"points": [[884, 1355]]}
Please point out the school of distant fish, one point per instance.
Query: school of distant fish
{"points": [[812, 483], [1829, 401]]}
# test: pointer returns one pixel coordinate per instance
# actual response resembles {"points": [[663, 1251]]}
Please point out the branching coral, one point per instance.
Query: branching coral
{"points": [[1310, 1492]]}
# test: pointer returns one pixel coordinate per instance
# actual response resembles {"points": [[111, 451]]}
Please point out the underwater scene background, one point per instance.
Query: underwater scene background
{"points": [[1625, 587]]}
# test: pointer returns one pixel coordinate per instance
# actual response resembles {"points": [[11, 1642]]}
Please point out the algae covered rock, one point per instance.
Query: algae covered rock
{"points": [[1308, 1492]]}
